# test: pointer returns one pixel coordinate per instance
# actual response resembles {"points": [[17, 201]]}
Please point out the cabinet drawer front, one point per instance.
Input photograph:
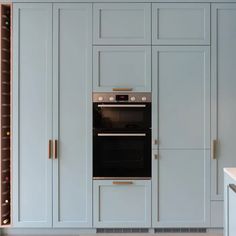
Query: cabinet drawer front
{"points": [[122, 203], [122, 67], [180, 23], [122, 23]]}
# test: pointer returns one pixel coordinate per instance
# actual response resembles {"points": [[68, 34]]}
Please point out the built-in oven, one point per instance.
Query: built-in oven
{"points": [[122, 135]]}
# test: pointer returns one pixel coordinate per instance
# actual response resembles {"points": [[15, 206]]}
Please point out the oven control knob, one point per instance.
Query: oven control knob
{"points": [[100, 98], [111, 99], [132, 99], [144, 99]]}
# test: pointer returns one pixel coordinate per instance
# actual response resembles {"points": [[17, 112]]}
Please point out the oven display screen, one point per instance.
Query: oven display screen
{"points": [[122, 98]]}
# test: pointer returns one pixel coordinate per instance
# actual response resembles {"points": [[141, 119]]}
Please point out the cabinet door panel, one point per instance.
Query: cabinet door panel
{"points": [[32, 115], [180, 23], [122, 67], [223, 92], [181, 194], [72, 171], [122, 23], [181, 90], [122, 205]]}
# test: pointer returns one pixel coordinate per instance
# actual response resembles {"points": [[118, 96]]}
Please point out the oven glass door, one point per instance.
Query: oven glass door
{"points": [[122, 116], [122, 154]]}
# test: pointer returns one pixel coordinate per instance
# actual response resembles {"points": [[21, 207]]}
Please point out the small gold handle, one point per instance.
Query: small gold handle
{"points": [[122, 89], [55, 149], [155, 142], [122, 183], [214, 149], [49, 148], [156, 156]]}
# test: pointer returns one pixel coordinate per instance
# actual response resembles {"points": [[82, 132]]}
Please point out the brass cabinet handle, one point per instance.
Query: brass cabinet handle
{"points": [[214, 149], [122, 182], [49, 148], [122, 89], [156, 156], [55, 149]]}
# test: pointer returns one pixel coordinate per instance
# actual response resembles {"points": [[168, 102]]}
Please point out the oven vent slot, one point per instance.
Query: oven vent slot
{"points": [[180, 230], [122, 230]]}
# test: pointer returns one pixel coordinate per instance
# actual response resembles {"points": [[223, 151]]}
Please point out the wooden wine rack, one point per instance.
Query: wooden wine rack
{"points": [[5, 114]]}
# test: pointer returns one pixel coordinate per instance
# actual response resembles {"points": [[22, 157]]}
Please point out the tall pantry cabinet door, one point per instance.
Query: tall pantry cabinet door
{"points": [[223, 109], [181, 98], [223, 93], [32, 115], [72, 124]]}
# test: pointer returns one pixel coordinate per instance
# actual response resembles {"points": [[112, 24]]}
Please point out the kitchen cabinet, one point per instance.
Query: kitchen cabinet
{"points": [[32, 115], [180, 23], [122, 203], [52, 101], [223, 56], [122, 23], [116, 67], [72, 118], [181, 128]]}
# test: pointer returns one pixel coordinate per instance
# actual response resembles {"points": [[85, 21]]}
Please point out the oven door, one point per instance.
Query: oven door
{"points": [[122, 154], [123, 116]]}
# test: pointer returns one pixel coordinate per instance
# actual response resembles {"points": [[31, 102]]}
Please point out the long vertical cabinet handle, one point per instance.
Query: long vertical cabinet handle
{"points": [[214, 149], [55, 149], [49, 148]]}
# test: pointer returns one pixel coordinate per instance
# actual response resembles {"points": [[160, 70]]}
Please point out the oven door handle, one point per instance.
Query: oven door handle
{"points": [[121, 135], [121, 105]]}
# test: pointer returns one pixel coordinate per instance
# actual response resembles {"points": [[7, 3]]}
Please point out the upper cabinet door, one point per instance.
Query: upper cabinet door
{"points": [[32, 115], [180, 24], [122, 67], [223, 92], [181, 96], [122, 23], [72, 121]]}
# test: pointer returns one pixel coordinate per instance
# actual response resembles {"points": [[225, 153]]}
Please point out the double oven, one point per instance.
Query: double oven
{"points": [[121, 135]]}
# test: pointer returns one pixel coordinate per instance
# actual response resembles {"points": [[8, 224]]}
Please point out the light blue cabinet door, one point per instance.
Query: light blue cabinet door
{"points": [[32, 115], [122, 67], [122, 203], [181, 97], [180, 23], [72, 121], [223, 106], [181, 124], [181, 188], [122, 23]]}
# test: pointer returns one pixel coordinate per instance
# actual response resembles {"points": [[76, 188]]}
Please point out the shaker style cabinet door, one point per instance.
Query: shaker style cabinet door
{"points": [[122, 23], [181, 118], [32, 115], [180, 23], [122, 203], [223, 93], [223, 109], [117, 67], [72, 119]]}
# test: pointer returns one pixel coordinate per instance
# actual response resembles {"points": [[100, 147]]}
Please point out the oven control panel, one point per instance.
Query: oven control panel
{"points": [[122, 97]]}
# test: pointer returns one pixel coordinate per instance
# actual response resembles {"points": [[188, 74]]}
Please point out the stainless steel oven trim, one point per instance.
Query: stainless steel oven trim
{"points": [[138, 97], [120, 105], [122, 178], [121, 135]]}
